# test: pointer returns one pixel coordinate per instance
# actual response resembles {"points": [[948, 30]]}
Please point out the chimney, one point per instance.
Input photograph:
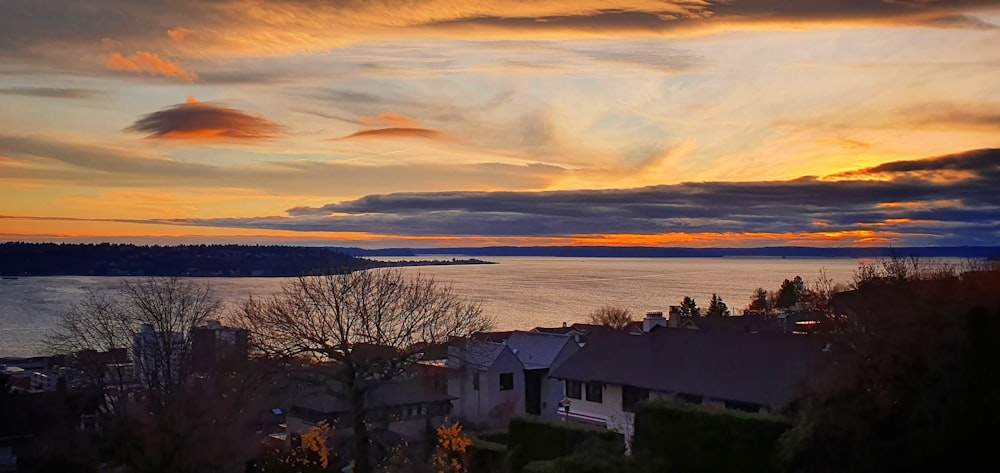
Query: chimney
{"points": [[653, 319], [564, 325], [675, 315]]}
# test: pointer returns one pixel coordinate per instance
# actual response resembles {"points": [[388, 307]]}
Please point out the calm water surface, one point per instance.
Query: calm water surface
{"points": [[519, 293]]}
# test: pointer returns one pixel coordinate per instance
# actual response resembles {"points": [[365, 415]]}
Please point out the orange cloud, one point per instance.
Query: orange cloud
{"points": [[390, 119], [195, 120], [397, 133], [149, 64], [178, 35]]}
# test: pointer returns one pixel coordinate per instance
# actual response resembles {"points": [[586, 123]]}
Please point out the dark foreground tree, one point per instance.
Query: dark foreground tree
{"points": [[911, 384], [344, 319], [611, 316]]}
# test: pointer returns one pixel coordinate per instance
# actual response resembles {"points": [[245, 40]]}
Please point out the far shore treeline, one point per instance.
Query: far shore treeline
{"points": [[107, 259]]}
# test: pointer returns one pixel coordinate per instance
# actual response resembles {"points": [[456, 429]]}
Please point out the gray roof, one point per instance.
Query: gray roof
{"points": [[474, 353], [762, 368], [537, 350], [417, 390]]}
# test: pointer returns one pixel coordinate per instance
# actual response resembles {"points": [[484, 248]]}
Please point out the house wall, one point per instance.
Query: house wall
{"points": [[489, 406], [609, 411], [553, 389]]}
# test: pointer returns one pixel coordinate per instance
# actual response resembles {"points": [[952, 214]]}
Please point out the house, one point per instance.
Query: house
{"points": [[580, 331], [496, 381], [539, 353], [487, 379], [403, 407], [759, 372]]}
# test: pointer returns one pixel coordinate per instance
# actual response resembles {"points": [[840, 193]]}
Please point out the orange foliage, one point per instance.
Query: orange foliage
{"points": [[451, 448]]}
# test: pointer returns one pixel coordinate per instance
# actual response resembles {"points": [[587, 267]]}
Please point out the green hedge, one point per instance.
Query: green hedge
{"points": [[487, 457], [541, 466], [498, 436], [693, 439], [530, 439]]}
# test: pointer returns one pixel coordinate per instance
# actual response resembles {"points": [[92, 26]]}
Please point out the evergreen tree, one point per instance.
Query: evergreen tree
{"points": [[717, 308], [790, 292], [760, 300], [689, 308]]}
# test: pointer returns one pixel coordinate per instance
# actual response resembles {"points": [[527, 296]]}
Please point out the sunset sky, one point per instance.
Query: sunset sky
{"points": [[383, 123]]}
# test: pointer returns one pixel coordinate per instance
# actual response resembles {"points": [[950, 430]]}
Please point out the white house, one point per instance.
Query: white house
{"points": [[494, 381], [487, 379], [540, 353], [756, 372]]}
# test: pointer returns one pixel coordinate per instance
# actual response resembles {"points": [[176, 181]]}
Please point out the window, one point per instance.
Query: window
{"points": [[475, 381], [595, 392], [689, 398], [631, 396], [573, 389], [506, 381]]}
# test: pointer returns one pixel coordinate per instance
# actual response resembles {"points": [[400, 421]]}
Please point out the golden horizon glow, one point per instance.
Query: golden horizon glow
{"points": [[398, 115]]}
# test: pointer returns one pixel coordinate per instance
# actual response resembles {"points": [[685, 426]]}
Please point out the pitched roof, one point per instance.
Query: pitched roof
{"points": [[491, 336], [474, 353], [417, 390], [763, 368], [537, 350]]}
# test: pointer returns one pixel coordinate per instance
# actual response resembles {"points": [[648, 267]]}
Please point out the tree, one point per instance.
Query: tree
{"points": [[150, 318], [149, 321], [689, 308], [909, 381], [366, 327], [717, 308], [614, 317], [791, 292], [761, 301]]}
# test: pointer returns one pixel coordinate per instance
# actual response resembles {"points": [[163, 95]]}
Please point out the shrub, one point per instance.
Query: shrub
{"points": [[486, 457], [693, 439], [530, 439]]}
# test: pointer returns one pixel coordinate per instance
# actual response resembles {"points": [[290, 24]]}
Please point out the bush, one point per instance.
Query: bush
{"points": [[693, 439], [498, 436], [530, 439], [486, 457], [540, 466]]}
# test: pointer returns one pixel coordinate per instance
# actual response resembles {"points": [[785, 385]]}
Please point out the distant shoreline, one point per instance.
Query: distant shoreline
{"points": [[786, 252]]}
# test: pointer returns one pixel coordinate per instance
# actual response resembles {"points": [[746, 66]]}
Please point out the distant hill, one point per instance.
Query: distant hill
{"points": [[49, 259], [659, 252]]}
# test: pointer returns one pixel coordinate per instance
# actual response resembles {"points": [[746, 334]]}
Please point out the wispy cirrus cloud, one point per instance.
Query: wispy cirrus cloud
{"points": [[395, 132], [53, 92], [391, 119], [37, 159], [146, 63], [205, 121], [259, 28]]}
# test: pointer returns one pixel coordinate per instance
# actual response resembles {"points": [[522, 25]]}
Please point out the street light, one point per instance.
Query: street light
{"points": [[564, 404]]}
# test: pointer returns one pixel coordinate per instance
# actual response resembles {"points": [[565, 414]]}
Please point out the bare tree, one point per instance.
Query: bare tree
{"points": [[370, 326], [148, 322], [91, 330], [611, 316]]}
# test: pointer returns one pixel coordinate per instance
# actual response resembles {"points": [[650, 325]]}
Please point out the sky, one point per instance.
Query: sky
{"points": [[387, 123]]}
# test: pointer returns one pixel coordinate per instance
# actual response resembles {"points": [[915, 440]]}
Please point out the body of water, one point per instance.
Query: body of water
{"points": [[519, 293]]}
